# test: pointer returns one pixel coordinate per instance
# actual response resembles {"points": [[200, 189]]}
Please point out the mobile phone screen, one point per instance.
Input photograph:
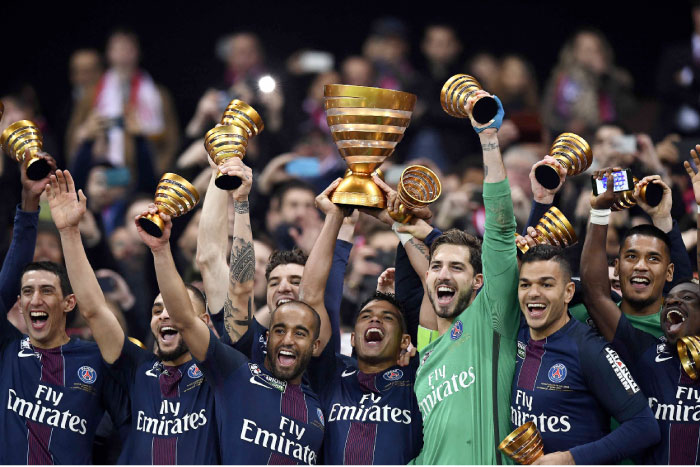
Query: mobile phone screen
{"points": [[621, 182]]}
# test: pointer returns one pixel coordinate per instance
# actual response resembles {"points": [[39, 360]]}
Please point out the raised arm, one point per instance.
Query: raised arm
{"points": [[212, 242], [175, 297], [594, 268], [318, 265], [67, 209], [239, 299], [695, 179]]}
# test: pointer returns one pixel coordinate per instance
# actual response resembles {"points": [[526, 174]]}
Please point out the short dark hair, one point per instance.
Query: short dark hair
{"points": [[317, 318], [383, 297], [683, 280], [461, 238], [548, 253], [647, 230], [280, 257], [281, 190], [54, 268]]}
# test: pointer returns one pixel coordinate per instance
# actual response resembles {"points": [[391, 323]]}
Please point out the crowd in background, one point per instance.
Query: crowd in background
{"points": [[121, 133]]}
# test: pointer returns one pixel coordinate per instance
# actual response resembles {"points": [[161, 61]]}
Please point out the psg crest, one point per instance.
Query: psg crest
{"points": [[456, 331], [194, 372], [87, 374], [557, 373], [393, 375]]}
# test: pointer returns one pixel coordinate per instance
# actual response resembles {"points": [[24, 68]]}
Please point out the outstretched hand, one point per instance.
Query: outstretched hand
{"points": [[491, 127], [67, 208], [406, 355], [661, 209], [393, 203], [606, 199], [235, 167], [541, 194], [694, 176], [154, 243], [328, 207]]}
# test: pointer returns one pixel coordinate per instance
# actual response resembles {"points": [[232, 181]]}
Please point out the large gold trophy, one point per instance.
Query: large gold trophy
{"points": [[418, 187], [524, 445], [366, 124], [689, 353], [175, 196], [239, 123], [553, 229], [455, 93], [19, 137], [651, 194], [572, 152]]}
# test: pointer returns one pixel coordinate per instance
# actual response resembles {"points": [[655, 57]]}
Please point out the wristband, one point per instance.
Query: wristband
{"points": [[698, 208], [497, 120], [403, 236], [600, 216]]}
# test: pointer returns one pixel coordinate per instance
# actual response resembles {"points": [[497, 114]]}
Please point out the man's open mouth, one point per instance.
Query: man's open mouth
{"points": [[536, 309], [374, 336], [674, 320], [168, 333], [286, 358], [445, 294], [38, 319]]}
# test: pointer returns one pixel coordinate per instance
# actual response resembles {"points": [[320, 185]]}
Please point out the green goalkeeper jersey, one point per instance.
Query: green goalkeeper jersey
{"points": [[464, 381]]}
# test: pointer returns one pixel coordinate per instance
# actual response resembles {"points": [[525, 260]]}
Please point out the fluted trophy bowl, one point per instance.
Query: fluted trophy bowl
{"points": [[651, 194], [175, 196], [572, 152], [240, 122], [366, 124], [689, 354], [524, 444], [418, 187], [553, 229], [21, 136], [455, 93]]}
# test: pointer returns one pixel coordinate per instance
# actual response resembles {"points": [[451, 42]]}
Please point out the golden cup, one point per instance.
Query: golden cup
{"points": [[418, 187], [572, 152], [455, 93], [240, 122], [689, 354], [366, 124], [21, 136], [651, 194], [553, 229], [175, 196], [524, 444]]}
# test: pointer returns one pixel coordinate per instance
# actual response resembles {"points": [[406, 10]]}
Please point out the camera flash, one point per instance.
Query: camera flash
{"points": [[267, 84]]}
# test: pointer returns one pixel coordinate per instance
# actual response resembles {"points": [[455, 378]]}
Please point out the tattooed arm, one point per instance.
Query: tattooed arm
{"points": [[238, 303]]}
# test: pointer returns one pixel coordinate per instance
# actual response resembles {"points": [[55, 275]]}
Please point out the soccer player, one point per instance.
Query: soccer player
{"points": [[672, 395], [372, 415], [171, 407], [568, 380], [464, 381], [264, 415]]}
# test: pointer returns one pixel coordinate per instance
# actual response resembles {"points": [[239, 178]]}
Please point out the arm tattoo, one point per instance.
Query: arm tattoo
{"points": [[241, 207], [489, 146], [229, 311], [420, 247], [242, 261]]}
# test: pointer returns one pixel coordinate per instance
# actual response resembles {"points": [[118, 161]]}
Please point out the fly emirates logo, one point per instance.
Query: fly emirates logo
{"points": [[279, 442], [522, 413], [369, 411], [45, 409], [686, 408], [442, 387], [175, 425]]}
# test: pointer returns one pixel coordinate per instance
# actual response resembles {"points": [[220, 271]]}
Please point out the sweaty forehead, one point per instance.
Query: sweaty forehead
{"points": [[292, 315], [39, 277], [645, 244]]}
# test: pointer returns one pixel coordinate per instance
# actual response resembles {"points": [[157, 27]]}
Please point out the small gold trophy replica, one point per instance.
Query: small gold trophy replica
{"points": [[19, 137], [175, 196], [418, 187], [572, 152], [524, 445], [553, 229], [651, 194], [455, 93], [689, 353]]}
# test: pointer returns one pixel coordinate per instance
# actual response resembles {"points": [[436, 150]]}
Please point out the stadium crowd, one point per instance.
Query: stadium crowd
{"points": [[287, 329]]}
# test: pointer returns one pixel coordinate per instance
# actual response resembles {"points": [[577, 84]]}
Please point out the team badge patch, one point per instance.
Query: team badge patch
{"points": [[320, 416], [393, 375], [194, 372], [456, 331], [87, 374], [254, 369], [557, 373]]}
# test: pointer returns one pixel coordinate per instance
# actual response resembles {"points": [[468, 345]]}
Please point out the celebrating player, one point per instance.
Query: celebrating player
{"points": [[568, 381]]}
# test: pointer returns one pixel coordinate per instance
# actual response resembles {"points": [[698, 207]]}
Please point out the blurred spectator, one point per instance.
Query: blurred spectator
{"points": [[85, 71], [357, 71], [296, 221], [126, 104], [312, 106], [387, 47], [517, 85], [48, 243], [244, 57], [586, 88], [485, 68]]}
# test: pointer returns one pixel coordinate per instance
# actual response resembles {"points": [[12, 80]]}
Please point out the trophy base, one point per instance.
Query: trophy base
{"points": [[485, 110], [37, 169], [548, 176], [227, 182], [359, 190], [653, 194], [153, 225]]}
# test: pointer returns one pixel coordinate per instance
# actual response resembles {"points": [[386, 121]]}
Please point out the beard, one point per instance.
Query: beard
{"points": [[456, 307], [174, 354], [641, 303], [287, 374]]}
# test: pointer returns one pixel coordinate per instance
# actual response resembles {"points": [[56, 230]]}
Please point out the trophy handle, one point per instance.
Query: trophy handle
{"points": [[548, 176], [227, 182], [484, 110], [152, 224], [37, 168]]}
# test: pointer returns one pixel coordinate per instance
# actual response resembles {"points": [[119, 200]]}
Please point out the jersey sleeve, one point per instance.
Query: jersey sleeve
{"points": [[409, 291], [124, 368], [322, 369], [20, 254], [679, 257], [630, 342], [499, 260], [217, 320], [333, 295], [221, 360], [115, 397]]}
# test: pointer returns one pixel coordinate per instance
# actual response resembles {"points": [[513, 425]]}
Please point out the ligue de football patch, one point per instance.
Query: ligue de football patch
{"points": [[194, 372]]}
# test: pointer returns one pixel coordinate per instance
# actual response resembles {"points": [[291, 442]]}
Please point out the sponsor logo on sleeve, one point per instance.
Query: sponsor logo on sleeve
{"points": [[194, 372], [26, 350], [621, 371], [521, 349], [393, 375], [456, 331], [320, 416], [87, 374], [262, 379], [557, 373]]}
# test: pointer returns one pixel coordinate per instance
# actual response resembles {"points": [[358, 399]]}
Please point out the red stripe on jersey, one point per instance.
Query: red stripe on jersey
{"points": [[293, 403], [360, 443], [278, 459], [38, 437], [531, 365], [164, 451], [683, 443]]}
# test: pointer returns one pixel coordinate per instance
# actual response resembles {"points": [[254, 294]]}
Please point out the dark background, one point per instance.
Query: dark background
{"points": [[178, 39]]}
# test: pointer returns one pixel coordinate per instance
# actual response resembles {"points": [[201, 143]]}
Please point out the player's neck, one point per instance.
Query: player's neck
{"points": [[539, 334], [629, 308], [185, 357], [369, 368], [444, 324], [52, 343]]}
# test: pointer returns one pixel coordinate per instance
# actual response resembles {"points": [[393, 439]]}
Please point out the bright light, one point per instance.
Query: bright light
{"points": [[267, 84]]}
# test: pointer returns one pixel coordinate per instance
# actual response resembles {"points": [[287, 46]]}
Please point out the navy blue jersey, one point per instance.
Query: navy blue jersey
{"points": [[172, 411], [53, 400], [674, 398], [569, 384], [252, 344], [261, 419], [370, 418]]}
